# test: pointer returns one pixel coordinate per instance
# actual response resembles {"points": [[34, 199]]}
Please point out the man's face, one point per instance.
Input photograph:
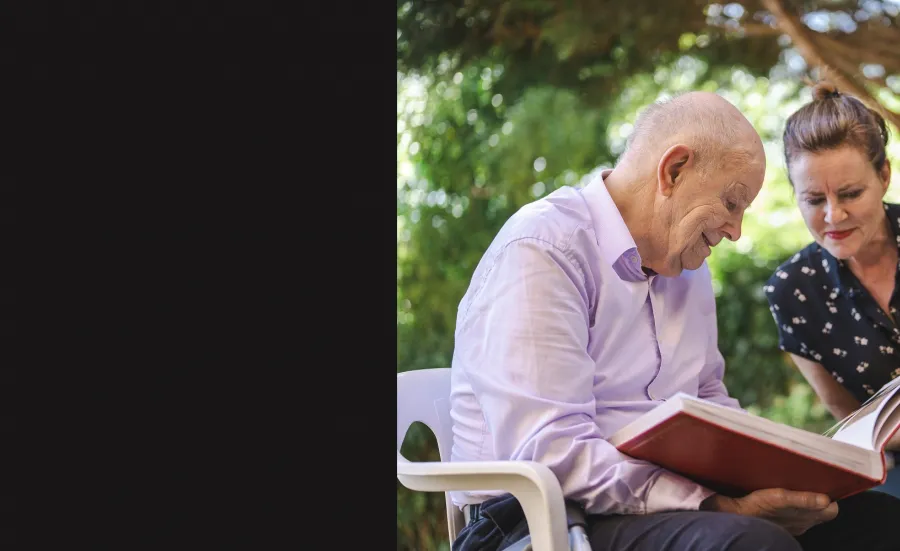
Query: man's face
{"points": [[707, 208]]}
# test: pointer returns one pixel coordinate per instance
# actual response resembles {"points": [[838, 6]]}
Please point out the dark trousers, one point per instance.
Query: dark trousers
{"points": [[868, 521], [892, 484]]}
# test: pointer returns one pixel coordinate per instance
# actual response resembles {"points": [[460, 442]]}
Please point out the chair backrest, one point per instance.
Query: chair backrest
{"points": [[423, 395]]}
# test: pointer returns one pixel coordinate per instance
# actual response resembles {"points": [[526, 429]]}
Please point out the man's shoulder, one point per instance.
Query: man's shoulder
{"points": [[555, 220]]}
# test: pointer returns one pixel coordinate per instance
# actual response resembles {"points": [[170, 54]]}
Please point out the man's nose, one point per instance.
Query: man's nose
{"points": [[733, 230]]}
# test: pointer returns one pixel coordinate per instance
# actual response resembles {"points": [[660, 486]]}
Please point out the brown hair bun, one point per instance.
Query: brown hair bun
{"points": [[825, 90], [822, 125]]}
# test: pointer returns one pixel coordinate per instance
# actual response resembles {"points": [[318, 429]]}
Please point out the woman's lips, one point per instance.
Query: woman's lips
{"points": [[838, 235]]}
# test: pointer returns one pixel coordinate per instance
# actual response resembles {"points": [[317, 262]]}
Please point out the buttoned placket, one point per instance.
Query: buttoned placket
{"points": [[656, 307]]}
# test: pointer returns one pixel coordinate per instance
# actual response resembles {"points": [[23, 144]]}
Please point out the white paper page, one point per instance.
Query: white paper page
{"points": [[883, 429], [859, 428], [859, 431]]}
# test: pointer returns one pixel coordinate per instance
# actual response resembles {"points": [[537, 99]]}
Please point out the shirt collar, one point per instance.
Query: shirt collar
{"points": [[617, 246], [837, 270]]}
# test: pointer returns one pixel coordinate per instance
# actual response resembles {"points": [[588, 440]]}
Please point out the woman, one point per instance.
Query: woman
{"points": [[836, 302]]}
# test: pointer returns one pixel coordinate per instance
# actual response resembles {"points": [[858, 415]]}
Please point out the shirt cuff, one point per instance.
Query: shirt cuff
{"points": [[671, 492]]}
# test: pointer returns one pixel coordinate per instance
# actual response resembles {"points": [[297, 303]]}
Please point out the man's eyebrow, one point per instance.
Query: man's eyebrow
{"points": [[740, 190]]}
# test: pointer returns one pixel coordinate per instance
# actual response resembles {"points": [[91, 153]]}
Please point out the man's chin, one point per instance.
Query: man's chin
{"points": [[677, 264], [692, 263], [672, 268]]}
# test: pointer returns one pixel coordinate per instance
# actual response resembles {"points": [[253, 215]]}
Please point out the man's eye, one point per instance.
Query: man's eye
{"points": [[730, 205]]}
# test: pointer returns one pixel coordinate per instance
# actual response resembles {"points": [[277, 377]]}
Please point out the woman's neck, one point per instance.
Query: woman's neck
{"points": [[878, 255]]}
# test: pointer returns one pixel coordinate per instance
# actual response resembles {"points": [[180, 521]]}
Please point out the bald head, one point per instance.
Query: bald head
{"points": [[692, 167], [706, 122]]}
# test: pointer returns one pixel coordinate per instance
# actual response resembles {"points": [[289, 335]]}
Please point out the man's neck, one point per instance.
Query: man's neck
{"points": [[632, 200]]}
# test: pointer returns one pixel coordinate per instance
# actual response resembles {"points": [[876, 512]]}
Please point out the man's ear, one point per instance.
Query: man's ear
{"points": [[672, 166]]}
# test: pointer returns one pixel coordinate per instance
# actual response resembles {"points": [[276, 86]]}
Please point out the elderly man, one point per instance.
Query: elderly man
{"points": [[592, 306]]}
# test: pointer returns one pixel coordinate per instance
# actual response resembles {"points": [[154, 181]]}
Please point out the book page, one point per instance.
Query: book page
{"points": [[887, 422], [861, 427]]}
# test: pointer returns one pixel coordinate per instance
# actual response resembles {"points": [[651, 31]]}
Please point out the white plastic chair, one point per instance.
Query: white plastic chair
{"points": [[424, 396]]}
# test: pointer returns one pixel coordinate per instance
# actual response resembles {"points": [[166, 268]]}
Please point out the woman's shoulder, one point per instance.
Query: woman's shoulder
{"points": [[893, 213], [806, 262], [797, 274]]}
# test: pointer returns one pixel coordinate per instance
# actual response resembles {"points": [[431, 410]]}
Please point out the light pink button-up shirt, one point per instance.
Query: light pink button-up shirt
{"points": [[561, 340]]}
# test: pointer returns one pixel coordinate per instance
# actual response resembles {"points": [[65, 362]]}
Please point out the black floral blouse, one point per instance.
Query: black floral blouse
{"points": [[825, 314]]}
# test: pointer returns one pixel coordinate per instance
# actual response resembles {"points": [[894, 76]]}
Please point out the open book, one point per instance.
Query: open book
{"points": [[734, 452]]}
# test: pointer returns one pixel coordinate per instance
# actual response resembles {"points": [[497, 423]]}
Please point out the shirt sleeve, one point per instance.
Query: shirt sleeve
{"points": [[526, 335], [779, 292], [712, 385]]}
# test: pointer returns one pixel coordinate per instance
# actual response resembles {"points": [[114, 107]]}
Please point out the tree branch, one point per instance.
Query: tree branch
{"points": [[828, 62], [886, 57], [755, 29]]}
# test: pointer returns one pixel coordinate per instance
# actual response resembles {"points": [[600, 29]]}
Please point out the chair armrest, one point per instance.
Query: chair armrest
{"points": [[534, 485]]}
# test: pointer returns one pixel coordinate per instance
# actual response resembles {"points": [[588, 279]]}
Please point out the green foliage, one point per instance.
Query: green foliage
{"points": [[590, 46], [799, 408]]}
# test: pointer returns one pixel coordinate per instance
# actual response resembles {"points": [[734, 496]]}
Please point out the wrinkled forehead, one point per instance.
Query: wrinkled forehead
{"points": [[743, 180], [746, 155], [831, 170]]}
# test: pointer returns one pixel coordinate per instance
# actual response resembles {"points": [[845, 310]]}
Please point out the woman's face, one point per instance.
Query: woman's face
{"points": [[840, 197]]}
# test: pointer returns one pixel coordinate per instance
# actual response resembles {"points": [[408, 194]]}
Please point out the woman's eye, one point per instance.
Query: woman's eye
{"points": [[730, 205], [852, 194], [814, 201]]}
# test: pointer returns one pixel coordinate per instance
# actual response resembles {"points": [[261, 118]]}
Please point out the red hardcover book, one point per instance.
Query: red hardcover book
{"points": [[734, 452]]}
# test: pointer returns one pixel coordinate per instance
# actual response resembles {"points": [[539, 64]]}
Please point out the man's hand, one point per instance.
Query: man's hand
{"points": [[796, 512]]}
